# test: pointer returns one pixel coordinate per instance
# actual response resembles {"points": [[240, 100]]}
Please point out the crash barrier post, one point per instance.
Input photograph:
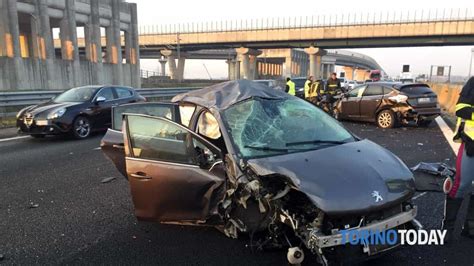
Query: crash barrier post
{"points": [[463, 213], [11, 102]]}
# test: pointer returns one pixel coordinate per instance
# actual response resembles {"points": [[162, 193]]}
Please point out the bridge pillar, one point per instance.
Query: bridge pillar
{"points": [[93, 43], [232, 70], [315, 55], [47, 47], [115, 52], [163, 66], [9, 28], [68, 36], [172, 67], [176, 72], [248, 57], [236, 69], [134, 47], [180, 74]]}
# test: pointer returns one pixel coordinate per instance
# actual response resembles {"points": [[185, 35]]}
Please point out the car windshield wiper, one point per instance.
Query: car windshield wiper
{"points": [[265, 148], [317, 141]]}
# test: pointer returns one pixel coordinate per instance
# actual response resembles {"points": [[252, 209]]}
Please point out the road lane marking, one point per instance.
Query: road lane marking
{"points": [[96, 149], [419, 196], [448, 134], [15, 138]]}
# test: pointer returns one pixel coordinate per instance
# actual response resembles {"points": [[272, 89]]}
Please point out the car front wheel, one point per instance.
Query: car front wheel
{"points": [[386, 119], [81, 128]]}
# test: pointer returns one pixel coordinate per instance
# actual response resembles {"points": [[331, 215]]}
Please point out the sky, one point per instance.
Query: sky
{"points": [[158, 13]]}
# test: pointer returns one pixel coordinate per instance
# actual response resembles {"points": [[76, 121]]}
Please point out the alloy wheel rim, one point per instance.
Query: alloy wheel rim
{"points": [[82, 128], [385, 120]]}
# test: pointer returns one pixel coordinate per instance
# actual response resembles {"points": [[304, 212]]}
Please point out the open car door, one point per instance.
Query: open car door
{"points": [[350, 104], [174, 174], [112, 143]]}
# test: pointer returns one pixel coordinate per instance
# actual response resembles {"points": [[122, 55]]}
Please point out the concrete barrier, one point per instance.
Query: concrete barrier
{"points": [[448, 95]]}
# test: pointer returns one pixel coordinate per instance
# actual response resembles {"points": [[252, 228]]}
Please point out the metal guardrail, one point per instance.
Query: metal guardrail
{"points": [[9, 100]]}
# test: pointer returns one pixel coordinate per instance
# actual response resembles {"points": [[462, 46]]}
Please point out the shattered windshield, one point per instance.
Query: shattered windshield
{"points": [[266, 127]]}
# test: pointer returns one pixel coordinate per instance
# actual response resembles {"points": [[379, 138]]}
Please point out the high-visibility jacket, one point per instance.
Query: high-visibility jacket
{"points": [[291, 87], [313, 90], [464, 126], [332, 85], [307, 86]]}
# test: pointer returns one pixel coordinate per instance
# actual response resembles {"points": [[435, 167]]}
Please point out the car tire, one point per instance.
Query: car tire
{"points": [[81, 127], [424, 123], [38, 136], [386, 119]]}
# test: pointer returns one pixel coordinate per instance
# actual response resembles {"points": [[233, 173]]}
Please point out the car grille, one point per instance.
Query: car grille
{"points": [[350, 221]]}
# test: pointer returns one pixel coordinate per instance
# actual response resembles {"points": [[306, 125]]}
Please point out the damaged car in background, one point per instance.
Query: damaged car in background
{"points": [[251, 160], [389, 104]]}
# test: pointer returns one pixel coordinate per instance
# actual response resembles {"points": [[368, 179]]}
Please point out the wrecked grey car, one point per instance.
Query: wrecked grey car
{"points": [[255, 161]]}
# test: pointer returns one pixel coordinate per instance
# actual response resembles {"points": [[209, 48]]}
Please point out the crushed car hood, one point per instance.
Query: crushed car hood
{"points": [[344, 179]]}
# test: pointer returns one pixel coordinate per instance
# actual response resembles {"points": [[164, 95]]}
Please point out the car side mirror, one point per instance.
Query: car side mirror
{"points": [[100, 99], [205, 158]]}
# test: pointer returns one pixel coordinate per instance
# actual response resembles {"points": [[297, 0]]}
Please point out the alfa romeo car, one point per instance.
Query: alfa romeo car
{"points": [[251, 160], [77, 111], [389, 104]]}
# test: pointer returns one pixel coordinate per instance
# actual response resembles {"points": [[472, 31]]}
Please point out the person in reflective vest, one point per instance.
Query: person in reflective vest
{"points": [[462, 185], [307, 86], [290, 87], [333, 85], [313, 92]]}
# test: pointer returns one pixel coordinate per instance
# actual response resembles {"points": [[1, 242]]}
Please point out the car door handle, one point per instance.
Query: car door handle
{"points": [[118, 146], [140, 175]]}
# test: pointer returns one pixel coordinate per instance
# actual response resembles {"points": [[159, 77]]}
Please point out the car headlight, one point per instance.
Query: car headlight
{"points": [[57, 113], [22, 111]]}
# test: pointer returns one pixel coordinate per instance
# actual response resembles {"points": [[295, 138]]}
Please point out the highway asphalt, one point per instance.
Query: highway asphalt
{"points": [[54, 209]]}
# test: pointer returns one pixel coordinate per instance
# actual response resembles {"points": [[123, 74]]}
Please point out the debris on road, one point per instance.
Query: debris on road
{"points": [[108, 179], [33, 205], [431, 176], [2, 257]]}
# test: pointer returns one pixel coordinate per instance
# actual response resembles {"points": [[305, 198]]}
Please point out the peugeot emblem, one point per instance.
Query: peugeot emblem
{"points": [[377, 196]]}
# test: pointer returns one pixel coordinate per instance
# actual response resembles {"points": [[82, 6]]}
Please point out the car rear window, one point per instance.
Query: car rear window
{"points": [[416, 90]]}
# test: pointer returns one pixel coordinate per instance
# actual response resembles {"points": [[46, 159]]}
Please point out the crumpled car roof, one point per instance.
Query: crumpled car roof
{"points": [[223, 95]]}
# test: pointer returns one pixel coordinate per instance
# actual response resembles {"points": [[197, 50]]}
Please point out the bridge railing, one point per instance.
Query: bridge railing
{"points": [[321, 20], [12, 102]]}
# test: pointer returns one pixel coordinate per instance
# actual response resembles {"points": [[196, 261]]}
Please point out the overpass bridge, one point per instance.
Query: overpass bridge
{"points": [[247, 43], [313, 34], [274, 63]]}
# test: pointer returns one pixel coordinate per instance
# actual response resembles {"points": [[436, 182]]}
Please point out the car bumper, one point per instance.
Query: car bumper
{"points": [[318, 240], [421, 113], [42, 127]]}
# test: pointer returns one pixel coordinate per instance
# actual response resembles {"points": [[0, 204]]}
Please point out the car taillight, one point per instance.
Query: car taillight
{"points": [[399, 98]]}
